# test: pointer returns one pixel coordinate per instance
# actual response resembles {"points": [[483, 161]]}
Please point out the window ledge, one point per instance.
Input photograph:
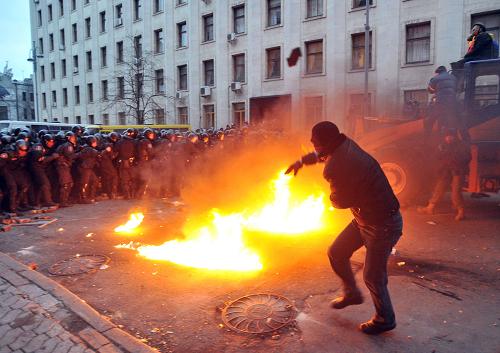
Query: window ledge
{"points": [[427, 63], [360, 70], [103, 32], [159, 53], [306, 75], [181, 5], [158, 13], [309, 19], [181, 48], [137, 20], [272, 79], [208, 42], [273, 27]]}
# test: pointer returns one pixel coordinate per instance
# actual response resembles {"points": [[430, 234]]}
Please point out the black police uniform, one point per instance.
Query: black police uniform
{"points": [[64, 162]]}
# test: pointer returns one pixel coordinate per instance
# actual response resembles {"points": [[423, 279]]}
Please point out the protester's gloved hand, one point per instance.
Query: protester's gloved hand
{"points": [[295, 167], [310, 158]]}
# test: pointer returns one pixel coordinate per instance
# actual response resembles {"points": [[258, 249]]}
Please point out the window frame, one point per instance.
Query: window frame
{"points": [[204, 27], [234, 56], [412, 40], [204, 70], [267, 77], [180, 35], [268, 16], [180, 86], [235, 18], [307, 73]]}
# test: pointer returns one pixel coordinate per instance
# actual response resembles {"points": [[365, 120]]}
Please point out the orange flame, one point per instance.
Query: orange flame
{"points": [[220, 245], [134, 221]]}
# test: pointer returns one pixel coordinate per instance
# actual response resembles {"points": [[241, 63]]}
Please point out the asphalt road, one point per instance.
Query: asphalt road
{"points": [[444, 281]]}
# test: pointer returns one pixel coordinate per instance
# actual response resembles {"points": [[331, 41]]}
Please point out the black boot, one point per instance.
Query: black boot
{"points": [[373, 327], [353, 297]]}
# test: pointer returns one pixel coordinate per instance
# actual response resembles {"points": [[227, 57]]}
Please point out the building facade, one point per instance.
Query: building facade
{"points": [[217, 62], [16, 99]]}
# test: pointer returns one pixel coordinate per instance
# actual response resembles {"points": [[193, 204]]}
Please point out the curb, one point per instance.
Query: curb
{"points": [[22, 275]]}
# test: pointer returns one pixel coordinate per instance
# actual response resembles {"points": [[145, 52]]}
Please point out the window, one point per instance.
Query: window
{"points": [[137, 10], [90, 93], [104, 57], [62, 39], [52, 71], [208, 116], [273, 13], [122, 120], [42, 73], [24, 96], [159, 41], [182, 115], [181, 2], [88, 28], [49, 11], [418, 43], [208, 71], [118, 15], [73, 5], [64, 72], [360, 3], [102, 21], [75, 64], [239, 114], [208, 28], [358, 51], [119, 52], [158, 6], [74, 32], [91, 119], [25, 114], [104, 90], [239, 68], [314, 54], [105, 119], [273, 67], [66, 120], [86, 2], [54, 99], [181, 35], [89, 60], [61, 8], [159, 81], [182, 73], [78, 119], [239, 19], [65, 97], [138, 46], [32, 98], [40, 45], [120, 87], [313, 110], [159, 116], [77, 94], [486, 91], [413, 101], [44, 100], [40, 22], [314, 8], [491, 21], [51, 42]]}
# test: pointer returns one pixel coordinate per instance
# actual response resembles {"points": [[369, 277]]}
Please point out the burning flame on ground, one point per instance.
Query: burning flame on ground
{"points": [[134, 221], [220, 245]]}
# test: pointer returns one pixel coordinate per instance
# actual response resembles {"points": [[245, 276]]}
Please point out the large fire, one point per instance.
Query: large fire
{"points": [[220, 244]]}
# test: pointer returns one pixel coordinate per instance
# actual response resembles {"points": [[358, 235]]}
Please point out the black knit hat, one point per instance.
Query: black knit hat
{"points": [[324, 132], [440, 69]]}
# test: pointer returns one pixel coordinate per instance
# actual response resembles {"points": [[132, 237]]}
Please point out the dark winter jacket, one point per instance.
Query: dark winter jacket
{"points": [[481, 48], [357, 182], [444, 86]]}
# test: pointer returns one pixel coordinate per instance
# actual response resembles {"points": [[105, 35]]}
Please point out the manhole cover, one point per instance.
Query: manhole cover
{"points": [[78, 265], [258, 313]]}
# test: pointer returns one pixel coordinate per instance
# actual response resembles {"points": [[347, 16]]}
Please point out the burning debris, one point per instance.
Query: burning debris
{"points": [[134, 221]]}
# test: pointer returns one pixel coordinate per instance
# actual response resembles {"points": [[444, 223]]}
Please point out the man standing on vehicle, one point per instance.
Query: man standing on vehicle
{"points": [[357, 182], [444, 111]]}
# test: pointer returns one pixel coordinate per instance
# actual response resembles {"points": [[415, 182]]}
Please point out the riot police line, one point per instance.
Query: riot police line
{"points": [[45, 170]]}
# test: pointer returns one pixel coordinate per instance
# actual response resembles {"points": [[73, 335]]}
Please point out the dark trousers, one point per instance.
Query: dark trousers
{"points": [[378, 240]]}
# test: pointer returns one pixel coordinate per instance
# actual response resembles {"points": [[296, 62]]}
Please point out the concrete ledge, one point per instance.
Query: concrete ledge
{"points": [[19, 274]]}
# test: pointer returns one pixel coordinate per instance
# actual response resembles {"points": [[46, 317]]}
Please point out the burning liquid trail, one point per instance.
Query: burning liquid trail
{"points": [[220, 245]]}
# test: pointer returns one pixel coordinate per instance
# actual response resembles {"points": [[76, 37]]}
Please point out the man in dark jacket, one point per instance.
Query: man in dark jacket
{"points": [[357, 182], [444, 87], [454, 158], [480, 46]]}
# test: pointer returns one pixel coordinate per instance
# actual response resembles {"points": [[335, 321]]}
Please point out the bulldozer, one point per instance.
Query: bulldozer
{"points": [[407, 153]]}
